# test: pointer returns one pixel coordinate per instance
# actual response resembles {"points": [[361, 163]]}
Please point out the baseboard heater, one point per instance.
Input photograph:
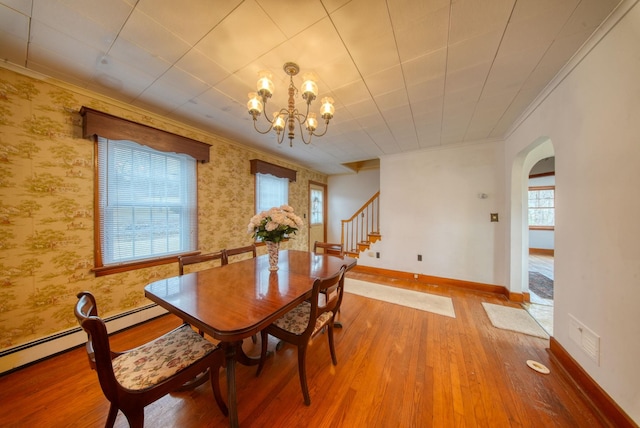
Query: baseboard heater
{"points": [[19, 356]]}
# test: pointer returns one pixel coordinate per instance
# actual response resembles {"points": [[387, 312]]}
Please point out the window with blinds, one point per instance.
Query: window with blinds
{"points": [[147, 202], [271, 191]]}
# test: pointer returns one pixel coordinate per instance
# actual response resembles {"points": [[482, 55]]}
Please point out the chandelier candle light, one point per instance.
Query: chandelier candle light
{"points": [[273, 226], [290, 115]]}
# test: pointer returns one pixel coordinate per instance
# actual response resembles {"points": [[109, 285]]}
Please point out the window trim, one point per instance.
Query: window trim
{"points": [[545, 187], [262, 167], [98, 124]]}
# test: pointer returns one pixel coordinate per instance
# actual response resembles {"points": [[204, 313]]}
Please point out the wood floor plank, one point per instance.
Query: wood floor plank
{"points": [[397, 367]]}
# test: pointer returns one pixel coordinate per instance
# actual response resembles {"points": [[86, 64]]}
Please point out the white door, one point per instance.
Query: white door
{"points": [[317, 213]]}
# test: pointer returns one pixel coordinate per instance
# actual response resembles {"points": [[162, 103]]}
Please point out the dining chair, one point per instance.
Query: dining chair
{"points": [[132, 379], [333, 249], [201, 258], [241, 250], [302, 323], [328, 248]]}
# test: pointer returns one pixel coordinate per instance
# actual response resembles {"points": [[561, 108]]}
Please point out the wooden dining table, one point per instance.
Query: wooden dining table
{"points": [[236, 301]]}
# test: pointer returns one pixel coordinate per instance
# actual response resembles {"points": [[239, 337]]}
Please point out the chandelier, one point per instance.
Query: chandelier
{"points": [[290, 115]]}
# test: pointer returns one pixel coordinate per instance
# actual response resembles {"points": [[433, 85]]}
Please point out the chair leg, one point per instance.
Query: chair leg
{"points": [[111, 419], [332, 347], [302, 373], [263, 351], [135, 417]]}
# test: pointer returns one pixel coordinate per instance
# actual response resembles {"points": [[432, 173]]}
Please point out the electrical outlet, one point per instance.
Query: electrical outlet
{"points": [[419, 257], [377, 255]]}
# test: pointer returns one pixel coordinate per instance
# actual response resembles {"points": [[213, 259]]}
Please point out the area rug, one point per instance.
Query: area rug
{"points": [[413, 299], [541, 285], [514, 319]]}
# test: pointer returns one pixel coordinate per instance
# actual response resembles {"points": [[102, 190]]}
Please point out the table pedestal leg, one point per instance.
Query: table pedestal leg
{"points": [[230, 355]]}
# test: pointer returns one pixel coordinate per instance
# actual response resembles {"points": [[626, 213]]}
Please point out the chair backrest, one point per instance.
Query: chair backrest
{"points": [[326, 296], [98, 348], [242, 250], [328, 248], [201, 258]]}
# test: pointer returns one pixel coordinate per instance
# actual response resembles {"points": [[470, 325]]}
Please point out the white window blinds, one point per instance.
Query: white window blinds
{"points": [[271, 192], [147, 202]]}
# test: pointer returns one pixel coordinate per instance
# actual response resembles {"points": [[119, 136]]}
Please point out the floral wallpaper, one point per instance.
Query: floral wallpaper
{"points": [[46, 207]]}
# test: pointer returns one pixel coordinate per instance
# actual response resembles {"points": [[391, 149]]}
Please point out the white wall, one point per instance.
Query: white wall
{"points": [[430, 205], [346, 194], [592, 118]]}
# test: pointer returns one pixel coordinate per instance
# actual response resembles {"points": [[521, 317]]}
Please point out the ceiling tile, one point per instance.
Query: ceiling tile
{"points": [[235, 42], [279, 11], [148, 34], [21, 6], [14, 35], [190, 21]]}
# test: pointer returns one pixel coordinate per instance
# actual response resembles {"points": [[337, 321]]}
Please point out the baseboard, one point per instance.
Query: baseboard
{"points": [[17, 357], [447, 282], [610, 413], [542, 251]]}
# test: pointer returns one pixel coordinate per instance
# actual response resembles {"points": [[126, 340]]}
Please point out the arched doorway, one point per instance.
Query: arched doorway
{"points": [[538, 150], [541, 230]]}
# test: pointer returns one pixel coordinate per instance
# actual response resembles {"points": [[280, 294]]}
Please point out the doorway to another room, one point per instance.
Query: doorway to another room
{"points": [[541, 225]]}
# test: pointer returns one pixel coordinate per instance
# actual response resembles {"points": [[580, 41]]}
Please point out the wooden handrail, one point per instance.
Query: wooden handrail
{"points": [[364, 206], [363, 228]]}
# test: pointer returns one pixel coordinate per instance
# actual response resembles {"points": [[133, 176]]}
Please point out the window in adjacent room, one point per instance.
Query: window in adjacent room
{"points": [[147, 202], [542, 207]]}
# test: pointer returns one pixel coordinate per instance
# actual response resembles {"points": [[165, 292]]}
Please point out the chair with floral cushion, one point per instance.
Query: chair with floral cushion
{"points": [[132, 379], [302, 323]]}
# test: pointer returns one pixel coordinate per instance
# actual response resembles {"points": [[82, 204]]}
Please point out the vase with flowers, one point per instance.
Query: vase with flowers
{"points": [[273, 226]]}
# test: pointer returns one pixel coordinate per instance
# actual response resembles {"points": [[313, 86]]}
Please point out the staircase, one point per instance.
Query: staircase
{"points": [[363, 228]]}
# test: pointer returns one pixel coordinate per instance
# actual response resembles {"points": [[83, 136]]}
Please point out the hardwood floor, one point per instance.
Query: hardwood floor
{"points": [[540, 308], [542, 263], [397, 367]]}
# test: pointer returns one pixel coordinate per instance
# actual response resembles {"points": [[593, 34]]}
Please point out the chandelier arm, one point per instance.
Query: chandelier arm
{"points": [[255, 126], [304, 118], [301, 119], [265, 114], [326, 127]]}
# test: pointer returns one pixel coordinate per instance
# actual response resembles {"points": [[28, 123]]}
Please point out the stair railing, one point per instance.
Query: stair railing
{"points": [[363, 228]]}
